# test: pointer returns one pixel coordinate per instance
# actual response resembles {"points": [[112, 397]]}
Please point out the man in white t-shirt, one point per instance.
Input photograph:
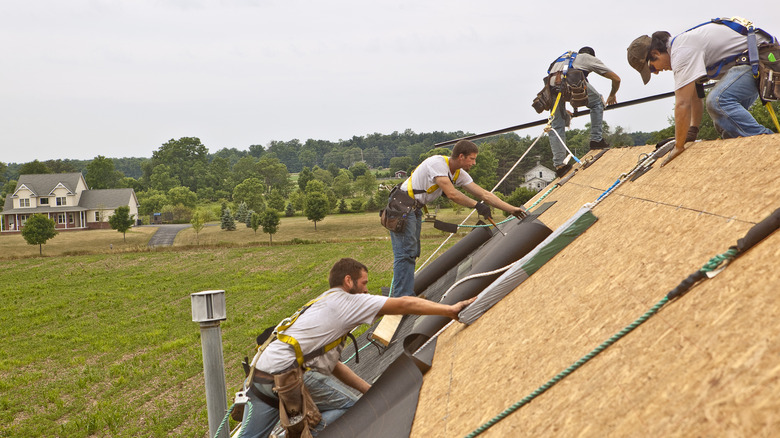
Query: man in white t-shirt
{"points": [[335, 313], [709, 51], [435, 176]]}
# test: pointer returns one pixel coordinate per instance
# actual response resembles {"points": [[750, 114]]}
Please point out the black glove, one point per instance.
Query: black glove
{"points": [[483, 209], [693, 132]]}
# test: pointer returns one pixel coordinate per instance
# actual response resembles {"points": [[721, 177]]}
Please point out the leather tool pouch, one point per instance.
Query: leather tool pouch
{"points": [[769, 72], [578, 88], [297, 411], [544, 99], [399, 206]]}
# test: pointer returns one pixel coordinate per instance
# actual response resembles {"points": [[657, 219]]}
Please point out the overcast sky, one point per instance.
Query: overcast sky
{"points": [[81, 78]]}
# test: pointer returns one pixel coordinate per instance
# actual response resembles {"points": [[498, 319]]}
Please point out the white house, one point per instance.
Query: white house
{"points": [[65, 198], [538, 177]]}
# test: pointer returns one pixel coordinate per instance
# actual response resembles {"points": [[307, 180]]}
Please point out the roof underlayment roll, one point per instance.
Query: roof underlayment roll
{"points": [[387, 409], [500, 251], [450, 258], [530, 263]]}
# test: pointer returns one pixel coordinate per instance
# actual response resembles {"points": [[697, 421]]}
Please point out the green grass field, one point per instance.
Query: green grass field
{"points": [[101, 342]]}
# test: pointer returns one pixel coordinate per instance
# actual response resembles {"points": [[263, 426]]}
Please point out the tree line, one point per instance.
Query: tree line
{"points": [[315, 177]]}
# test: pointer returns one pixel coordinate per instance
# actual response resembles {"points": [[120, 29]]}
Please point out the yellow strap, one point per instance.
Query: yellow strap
{"points": [[434, 187], [292, 341], [772, 115], [555, 107], [287, 339]]}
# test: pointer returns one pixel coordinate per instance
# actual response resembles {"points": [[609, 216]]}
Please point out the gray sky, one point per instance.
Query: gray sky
{"points": [[81, 78]]}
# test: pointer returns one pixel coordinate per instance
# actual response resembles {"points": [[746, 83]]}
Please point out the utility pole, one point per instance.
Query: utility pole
{"points": [[208, 309]]}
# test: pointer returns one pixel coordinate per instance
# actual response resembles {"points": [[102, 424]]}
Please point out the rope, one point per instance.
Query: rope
{"points": [[714, 262], [565, 147], [544, 196], [224, 420], [436, 335], [487, 225], [560, 376], [710, 266]]}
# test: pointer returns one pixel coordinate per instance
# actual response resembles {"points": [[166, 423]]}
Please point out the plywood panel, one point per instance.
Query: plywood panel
{"points": [[708, 364]]}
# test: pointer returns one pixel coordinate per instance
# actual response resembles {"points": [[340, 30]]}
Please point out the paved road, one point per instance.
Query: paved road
{"points": [[166, 233]]}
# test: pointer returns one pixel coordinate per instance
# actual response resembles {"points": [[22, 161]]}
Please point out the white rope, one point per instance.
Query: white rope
{"points": [[478, 275], [565, 147], [433, 337]]}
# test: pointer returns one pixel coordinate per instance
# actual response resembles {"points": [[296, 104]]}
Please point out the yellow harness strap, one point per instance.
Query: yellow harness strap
{"points": [[434, 187], [772, 115], [287, 339]]}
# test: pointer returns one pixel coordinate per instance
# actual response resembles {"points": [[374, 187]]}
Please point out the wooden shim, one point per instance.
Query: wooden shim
{"points": [[385, 331]]}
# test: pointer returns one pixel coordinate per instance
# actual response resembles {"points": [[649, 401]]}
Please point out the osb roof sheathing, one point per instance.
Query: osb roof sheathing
{"points": [[708, 364]]}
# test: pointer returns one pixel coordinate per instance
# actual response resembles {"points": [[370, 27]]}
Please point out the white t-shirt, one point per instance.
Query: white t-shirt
{"points": [[423, 178], [325, 321], [693, 51]]}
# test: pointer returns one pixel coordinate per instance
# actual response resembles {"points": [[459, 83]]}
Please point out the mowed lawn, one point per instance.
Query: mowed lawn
{"points": [[101, 343], [334, 228]]}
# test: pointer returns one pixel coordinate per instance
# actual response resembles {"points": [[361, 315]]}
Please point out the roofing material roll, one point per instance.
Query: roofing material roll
{"points": [[450, 258], [521, 238]]}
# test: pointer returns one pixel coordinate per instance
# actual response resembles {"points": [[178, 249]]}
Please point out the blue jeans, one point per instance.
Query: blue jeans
{"points": [[330, 395], [729, 101], [562, 118], [406, 249]]}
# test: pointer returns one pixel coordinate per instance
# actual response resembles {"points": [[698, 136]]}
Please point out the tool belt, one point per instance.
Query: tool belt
{"points": [[297, 411], [399, 206], [573, 88], [769, 72]]}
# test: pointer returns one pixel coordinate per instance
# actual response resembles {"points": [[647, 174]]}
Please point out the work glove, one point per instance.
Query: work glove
{"points": [[693, 132], [484, 210]]}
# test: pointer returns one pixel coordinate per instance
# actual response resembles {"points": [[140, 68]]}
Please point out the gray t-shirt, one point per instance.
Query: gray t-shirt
{"points": [[584, 62], [693, 51], [325, 321]]}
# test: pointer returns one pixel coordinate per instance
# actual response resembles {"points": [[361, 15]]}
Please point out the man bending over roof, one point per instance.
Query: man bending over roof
{"points": [[713, 50], [329, 318], [435, 176]]}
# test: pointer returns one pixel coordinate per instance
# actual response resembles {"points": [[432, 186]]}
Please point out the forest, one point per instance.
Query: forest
{"points": [[182, 175]]}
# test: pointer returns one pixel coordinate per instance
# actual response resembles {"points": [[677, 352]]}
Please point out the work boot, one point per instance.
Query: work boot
{"points": [[560, 171], [601, 144]]}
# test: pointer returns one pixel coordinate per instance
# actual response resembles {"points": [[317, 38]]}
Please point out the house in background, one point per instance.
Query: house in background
{"points": [[65, 198], [538, 177]]}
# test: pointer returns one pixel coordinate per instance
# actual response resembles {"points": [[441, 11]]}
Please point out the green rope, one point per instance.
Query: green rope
{"points": [[353, 354], [711, 265], [570, 369], [224, 420], [543, 196], [714, 262]]}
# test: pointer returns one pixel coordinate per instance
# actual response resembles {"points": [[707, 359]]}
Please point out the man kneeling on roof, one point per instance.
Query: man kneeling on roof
{"points": [[310, 343], [715, 50]]}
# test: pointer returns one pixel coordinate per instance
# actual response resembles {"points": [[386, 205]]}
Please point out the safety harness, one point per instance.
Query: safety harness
{"points": [[300, 358], [570, 56], [432, 188], [743, 27]]}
